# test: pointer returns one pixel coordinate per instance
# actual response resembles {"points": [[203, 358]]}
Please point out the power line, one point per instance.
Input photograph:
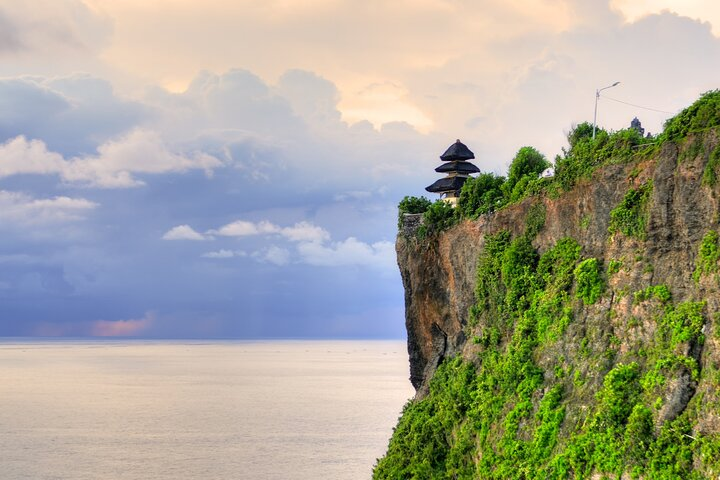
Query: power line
{"points": [[637, 106]]}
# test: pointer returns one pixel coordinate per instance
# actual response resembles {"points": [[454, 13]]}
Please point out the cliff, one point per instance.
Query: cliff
{"points": [[573, 335]]}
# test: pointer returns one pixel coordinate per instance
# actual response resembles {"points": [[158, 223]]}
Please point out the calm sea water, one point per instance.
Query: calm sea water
{"points": [[198, 410]]}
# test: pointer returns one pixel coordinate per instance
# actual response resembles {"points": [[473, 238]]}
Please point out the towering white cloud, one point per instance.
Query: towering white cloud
{"points": [[281, 168]]}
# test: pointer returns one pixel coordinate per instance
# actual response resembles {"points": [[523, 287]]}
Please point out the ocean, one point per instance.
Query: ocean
{"points": [[151, 410]]}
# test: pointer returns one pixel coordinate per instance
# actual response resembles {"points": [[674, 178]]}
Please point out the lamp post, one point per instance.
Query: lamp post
{"points": [[597, 96]]}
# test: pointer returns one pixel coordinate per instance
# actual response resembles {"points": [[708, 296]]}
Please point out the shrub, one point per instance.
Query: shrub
{"points": [[585, 153], [518, 265], [439, 216], [557, 264], [526, 167], [708, 255], [614, 266], [412, 205], [488, 287], [660, 292], [480, 195], [710, 172], [684, 323], [630, 217], [589, 281], [421, 446], [621, 387], [702, 114], [639, 434], [535, 219]]}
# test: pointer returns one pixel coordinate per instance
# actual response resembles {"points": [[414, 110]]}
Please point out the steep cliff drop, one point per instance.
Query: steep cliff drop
{"points": [[575, 333]]}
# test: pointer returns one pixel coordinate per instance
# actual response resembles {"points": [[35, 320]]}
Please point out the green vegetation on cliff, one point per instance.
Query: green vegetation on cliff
{"points": [[708, 255], [700, 116], [412, 205], [585, 153], [504, 416], [630, 217], [481, 194], [587, 357], [478, 411]]}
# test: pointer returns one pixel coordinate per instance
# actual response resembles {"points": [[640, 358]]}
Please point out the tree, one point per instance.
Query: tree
{"points": [[525, 168], [482, 194], [412, 205], [439, 216], [580, 132]]}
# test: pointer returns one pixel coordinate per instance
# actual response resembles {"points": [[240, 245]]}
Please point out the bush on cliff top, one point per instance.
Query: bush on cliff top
{"points": [[412, 205], [701, 115], [488, 192], [439, 216], [480, 195], [523, 174], [585, 154]]}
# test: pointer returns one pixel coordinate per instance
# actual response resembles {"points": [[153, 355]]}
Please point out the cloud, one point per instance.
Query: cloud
{"points": [[272, 133], [273, 254], [349, 252], [300, 232], [46, 277], [706, 10], [21, 156], [313, 245], [9, 35], [97, 328], [311, 97], [140, 152], [235, 100], [352, 195], [242, 228], [116, 164], [305, 232], [72, 114], [20, 208], [46, 27], [222, 253], [183, 232], [122, 328], [26, 103], [309, 191]]}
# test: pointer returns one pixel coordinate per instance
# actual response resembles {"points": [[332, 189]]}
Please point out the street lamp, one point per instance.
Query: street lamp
{"points": [[597, 96]]}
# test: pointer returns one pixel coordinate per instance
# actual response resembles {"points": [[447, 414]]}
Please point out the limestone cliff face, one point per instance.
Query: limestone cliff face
{"points": [[439, 274]]}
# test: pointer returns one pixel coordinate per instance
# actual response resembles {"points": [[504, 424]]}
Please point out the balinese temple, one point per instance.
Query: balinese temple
{"points": [[636, 125], [458, 170]]}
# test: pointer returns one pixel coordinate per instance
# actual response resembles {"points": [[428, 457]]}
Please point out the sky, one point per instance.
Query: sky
{"points": [[231, 169]]}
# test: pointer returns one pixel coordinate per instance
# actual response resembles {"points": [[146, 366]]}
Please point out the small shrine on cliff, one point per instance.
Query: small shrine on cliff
{"points": [[457, 170], [637, 126]]}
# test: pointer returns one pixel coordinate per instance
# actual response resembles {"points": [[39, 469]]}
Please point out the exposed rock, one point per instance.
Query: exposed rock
{"points": [[439, 273]]}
